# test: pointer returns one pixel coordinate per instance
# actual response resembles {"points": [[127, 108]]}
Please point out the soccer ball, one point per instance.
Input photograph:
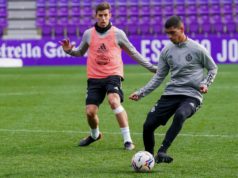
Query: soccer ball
{"points": [[142, 161]]}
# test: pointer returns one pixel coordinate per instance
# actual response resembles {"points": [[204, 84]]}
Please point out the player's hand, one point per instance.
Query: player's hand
{"points": [[134, 96], [203, 89], [65, 43]]}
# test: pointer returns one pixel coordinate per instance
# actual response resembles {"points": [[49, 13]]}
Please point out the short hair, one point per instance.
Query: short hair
{"points": [[173, 21], [103, 6]]}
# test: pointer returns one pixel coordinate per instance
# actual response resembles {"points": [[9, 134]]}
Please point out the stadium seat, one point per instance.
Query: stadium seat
{"points": [[218, 28], [46, 31], [226, 8], [191, 9], [62, 11], [59, 31], [52, 11], [40, 21], [231, 28], [206, 28], [86, 10], [180, 9], [144, 9], [75, 2], [63, 2], [52, 3], [156, 9], [41, 11], [3, 22], [71, 31], [214, 8], [168, 10], [132, 30], [62, 21], [157, 29], [75, 11], [194, 28], [40, 3], [133, 9], [203, 9], [228, 18], [3, 11], [74, 21]]}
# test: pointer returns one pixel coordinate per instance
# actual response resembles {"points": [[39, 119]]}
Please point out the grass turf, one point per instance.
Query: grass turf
{"points": [[43, 118]]}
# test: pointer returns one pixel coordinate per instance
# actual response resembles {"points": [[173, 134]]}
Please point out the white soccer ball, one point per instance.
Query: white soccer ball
{"points": [[143, 161]]}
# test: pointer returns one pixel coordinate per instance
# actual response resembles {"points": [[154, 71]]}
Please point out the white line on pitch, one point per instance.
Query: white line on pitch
{"points": [[112, 133]]}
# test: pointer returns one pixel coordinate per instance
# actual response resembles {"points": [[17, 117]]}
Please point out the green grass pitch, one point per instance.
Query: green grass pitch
{"points": [[42, 118]]}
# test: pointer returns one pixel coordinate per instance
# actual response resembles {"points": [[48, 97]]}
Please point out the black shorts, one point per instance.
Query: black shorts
{"points": [[168, 105], [98, 88]]}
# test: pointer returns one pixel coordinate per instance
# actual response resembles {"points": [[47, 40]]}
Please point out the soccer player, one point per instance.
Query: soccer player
{"points": [[105, 71], [186, 60]]}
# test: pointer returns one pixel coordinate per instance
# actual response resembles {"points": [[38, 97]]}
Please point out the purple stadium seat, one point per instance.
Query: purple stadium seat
{"points": [[144, 20], [214, 8], [62, 21], [63, 2], [40, 3], [133, 2], [3, 22], [46, 31], [132, 30], [51, 21], [191, 18], [75, 11], [71, 31], [226, 8], [156, 9], [3, 11], [156, 20], [228, 18], [191, 9], [203, 9], [203, 19], [133, 20], [218, 28], [231, 28], [157, 29], [168, 10], [82, 29], [62, 11], [75, 2], [74, 21], [121, 10], [52, 11], [120, 20], [86, 21], [133, 9], [40, 12], [155, 2], [145, 9], [52, 3], [59, 31], [206, 28], [215, 18], [86, 10], [180, 9], [40, 21], [194, 28]]}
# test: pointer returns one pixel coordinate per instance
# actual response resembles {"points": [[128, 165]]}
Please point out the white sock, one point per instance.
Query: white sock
{"points": [[126, 134], [95, 133]]}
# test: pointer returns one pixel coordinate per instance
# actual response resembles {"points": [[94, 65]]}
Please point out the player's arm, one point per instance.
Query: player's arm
{"points": [[126, 45], [211, 67], [80, 50], [155, 81]]}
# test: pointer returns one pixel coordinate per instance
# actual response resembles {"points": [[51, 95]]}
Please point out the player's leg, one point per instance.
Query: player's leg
{"points": [[159, 115], [115, 97], [95, 96], [186, 109]]}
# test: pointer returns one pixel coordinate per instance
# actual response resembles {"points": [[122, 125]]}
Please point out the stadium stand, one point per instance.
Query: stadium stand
{"points": [[62, 18]]}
